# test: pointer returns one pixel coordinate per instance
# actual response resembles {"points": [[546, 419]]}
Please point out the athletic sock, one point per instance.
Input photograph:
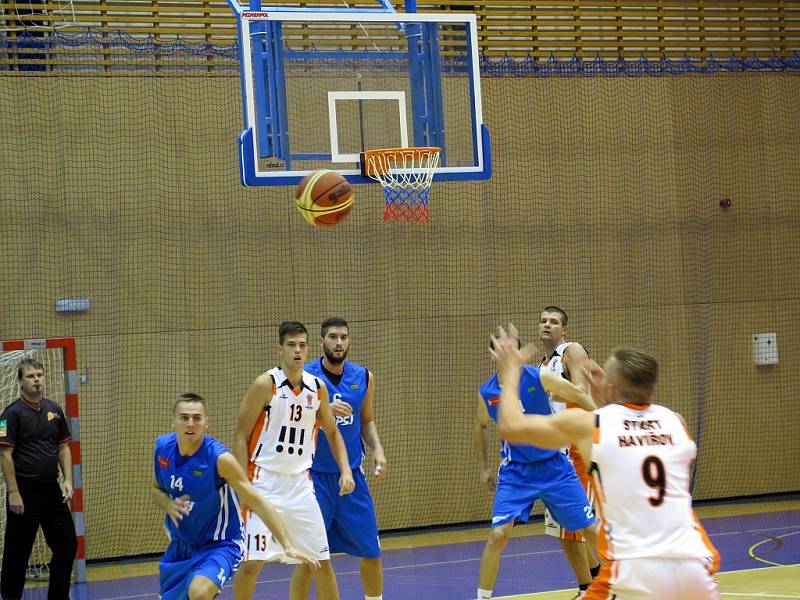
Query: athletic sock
{"points": [[373, 597], [484, 594], [583, 587], [594, 571]]}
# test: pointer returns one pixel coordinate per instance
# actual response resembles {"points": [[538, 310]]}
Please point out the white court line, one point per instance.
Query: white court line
{"points": [[517, 555], [752, 531], [397, 568]]}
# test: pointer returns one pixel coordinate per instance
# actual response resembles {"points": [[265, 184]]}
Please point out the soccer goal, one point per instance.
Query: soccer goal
{"points": [[61, 385]]}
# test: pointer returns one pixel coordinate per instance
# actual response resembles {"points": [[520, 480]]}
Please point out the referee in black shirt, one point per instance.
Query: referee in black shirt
{"points": [[34, 440]]}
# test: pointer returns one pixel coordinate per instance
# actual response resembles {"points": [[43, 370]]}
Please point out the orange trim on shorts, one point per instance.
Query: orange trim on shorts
{"points": [[600, 588], [604, 549], [707, 542]]}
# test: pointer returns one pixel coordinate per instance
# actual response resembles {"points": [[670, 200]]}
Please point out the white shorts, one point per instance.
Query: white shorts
{"points": [[294, 501], [649, 578], [554, 529]]}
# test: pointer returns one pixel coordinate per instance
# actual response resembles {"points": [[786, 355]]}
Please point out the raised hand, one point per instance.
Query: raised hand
{"points": [[504, 348]]}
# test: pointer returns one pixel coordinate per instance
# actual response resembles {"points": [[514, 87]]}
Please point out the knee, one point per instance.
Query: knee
{"points": [[202, 590], [371, 564], [251, 568], [498, 538]]}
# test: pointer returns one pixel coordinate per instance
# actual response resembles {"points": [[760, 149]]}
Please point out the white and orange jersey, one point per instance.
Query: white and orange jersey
{"points": [[554, 363], [285, 436], [641, 463]]}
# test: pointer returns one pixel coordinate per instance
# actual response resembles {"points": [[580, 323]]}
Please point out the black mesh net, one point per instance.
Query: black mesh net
{"points": [[120, 183]]}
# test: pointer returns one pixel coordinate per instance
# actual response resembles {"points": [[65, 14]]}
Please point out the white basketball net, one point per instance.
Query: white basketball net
{"points": [[406, 175]]}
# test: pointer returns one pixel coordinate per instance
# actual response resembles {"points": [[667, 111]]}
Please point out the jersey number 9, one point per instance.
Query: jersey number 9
{"points": [[655, 476]]}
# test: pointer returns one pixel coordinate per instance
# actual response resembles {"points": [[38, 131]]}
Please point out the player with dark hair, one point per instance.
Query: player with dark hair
{"points": [[349, 520], [567, 359], [528, 473], [275, 440], [194, 484]]}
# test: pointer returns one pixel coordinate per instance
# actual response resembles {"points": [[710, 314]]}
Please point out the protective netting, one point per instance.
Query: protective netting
{"points": [[122, 185], [53, 362]]}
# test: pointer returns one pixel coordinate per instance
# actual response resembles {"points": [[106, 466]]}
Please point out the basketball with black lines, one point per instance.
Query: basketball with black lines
{"points": [[324, 198]]}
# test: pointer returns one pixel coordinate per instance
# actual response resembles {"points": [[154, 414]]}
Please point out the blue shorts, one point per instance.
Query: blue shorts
{"points": [[553, 481], [349, 519], [181, 563]]}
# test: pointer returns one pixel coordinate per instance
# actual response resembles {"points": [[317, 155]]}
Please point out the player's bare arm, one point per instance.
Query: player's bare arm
{"points": [[575, 360], [481, 431], [369, 432], [338, 449], [258, 396], [231, 471], [565, 390], [175, 508]]}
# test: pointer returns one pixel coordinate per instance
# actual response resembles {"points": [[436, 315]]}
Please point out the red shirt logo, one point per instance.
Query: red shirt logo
{"points": [[163, 461]]}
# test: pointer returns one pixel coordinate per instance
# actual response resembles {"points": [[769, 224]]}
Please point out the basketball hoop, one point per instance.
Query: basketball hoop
{"points": [[406, 175]]}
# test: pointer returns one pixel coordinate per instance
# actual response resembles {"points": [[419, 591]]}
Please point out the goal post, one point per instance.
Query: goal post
{"points": [[59, 357]]}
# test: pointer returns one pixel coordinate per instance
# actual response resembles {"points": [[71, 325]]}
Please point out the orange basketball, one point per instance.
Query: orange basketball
{"points": [[324, 198]]}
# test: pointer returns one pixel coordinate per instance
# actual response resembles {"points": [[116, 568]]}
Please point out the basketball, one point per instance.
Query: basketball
{"points": [[324, 198]]}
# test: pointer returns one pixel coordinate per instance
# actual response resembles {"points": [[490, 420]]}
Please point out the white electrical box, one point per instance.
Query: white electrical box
{"points": [[73, 305], [765, 348]]}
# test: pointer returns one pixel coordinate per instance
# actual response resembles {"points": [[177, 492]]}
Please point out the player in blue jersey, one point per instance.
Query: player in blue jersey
{"points": [[528, 473], [349, 520], [195, 480]]}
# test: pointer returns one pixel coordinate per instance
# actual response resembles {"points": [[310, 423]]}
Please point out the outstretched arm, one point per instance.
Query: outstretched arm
{"points": [[230, 470], [565, 390], [556, 431], [369, 432]]}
